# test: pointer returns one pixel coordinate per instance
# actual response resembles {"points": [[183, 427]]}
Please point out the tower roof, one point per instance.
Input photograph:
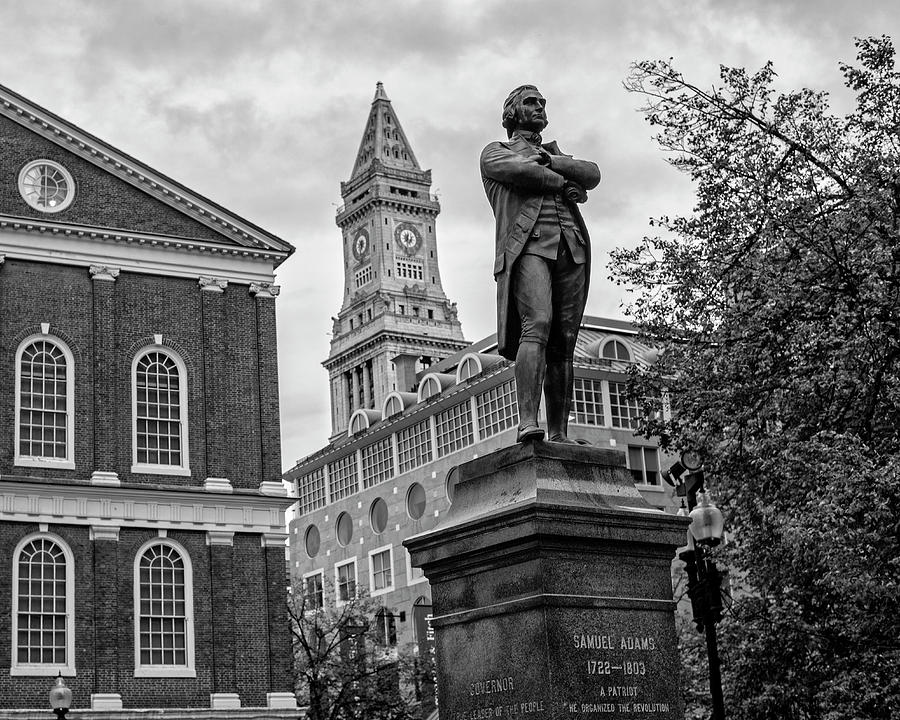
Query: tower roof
{"points": [[383, 138]]}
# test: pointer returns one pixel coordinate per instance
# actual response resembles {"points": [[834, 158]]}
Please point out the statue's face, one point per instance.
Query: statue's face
{"points": [[530, 112]]}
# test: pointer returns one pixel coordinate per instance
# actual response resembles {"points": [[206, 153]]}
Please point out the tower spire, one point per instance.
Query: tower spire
{"points": [[395, 318], [383, 139]]}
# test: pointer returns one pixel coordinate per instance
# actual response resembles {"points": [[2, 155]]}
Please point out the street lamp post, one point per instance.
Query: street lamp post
{"points": [[705, 587], [60, 698]]}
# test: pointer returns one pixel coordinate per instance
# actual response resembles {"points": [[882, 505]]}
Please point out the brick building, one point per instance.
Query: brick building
{"points": [[141, 509], [411, 399]]}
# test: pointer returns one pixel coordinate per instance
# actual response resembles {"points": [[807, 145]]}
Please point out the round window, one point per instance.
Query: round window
{"points": [[415, 501], [378, 515], [344, 528], [46, 186], [312, 541]]}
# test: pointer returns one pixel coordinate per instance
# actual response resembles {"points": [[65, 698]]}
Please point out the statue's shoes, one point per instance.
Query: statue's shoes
{"points": [[560, 438], [529, 432]]}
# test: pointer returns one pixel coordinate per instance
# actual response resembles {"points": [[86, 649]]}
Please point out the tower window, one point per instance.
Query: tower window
{"points": [[431, 314], [411, 270], [363, 276]]}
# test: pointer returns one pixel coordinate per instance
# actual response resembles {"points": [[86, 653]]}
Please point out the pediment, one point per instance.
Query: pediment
{"points": [[114, 194]]}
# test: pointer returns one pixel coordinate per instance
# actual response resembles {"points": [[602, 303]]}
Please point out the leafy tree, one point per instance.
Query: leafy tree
{"points": [[346, 666], [776, 306]]}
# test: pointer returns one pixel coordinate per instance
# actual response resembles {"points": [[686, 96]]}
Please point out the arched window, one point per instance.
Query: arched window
{"points": [[616, 350], [361, 420], [434, 384], [43, 607], [163, 611], [393, 405], [468, 368], [430, 387], [45, 399], [159, 407]]}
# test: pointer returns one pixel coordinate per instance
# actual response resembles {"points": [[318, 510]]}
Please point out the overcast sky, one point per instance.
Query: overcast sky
{"points": [[260, 106]]}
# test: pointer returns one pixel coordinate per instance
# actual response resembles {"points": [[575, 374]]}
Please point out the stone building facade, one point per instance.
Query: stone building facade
{"points": [[141, 509]]}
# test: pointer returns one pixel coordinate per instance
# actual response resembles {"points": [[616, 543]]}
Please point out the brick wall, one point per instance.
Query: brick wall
{"points": [[239, 437], [101, 199], [234, 632], [227, 344]]}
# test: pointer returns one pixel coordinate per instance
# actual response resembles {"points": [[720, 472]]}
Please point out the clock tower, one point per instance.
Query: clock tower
{"points": [[395, 318]]}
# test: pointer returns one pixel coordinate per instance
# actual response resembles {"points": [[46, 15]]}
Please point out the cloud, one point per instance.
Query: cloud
{"points": [[260, 106]]}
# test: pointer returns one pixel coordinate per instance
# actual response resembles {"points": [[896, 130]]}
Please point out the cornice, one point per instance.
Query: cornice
{"points": [[135, 173], [48, 241], [33, 501], [412, 206], [354, 352]]}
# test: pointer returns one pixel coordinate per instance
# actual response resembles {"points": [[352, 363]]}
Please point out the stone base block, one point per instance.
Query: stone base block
{"points": [[281, 700], [552, 593], [224, 701], [106, 701]]}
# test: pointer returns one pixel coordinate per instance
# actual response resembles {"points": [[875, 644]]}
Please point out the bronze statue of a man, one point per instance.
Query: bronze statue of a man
{"points": [[542, 261]]}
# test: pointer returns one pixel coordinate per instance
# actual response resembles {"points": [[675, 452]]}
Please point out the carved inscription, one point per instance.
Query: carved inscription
{"points": [[613, 674], [492, 692], [619, 663]]}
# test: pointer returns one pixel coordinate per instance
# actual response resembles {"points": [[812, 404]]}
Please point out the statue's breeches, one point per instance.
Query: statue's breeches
{"points": [[550, 298]]}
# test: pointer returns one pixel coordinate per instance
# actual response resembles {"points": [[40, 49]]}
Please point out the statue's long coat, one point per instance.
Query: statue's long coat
{"points": [[515, 187]]}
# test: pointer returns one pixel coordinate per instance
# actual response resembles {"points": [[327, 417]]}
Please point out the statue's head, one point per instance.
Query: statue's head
{"points": [[524, 108]]}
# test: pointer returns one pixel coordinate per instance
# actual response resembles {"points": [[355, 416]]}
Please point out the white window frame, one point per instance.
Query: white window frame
{"points": [[429, 387], [390, 588], [321, 574], [67, 463], [469, 367], [409, 571], [44, 669], [182, 469], [616, 339], [188, 669], [70, 182], [643, 450], [337, 586]]}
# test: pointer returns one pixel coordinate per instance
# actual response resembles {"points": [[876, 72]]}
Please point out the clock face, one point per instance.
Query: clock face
{"points": [[408, 237], [361, 244]]}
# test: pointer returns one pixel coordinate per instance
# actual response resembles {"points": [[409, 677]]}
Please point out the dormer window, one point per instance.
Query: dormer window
{"points": [[616, 350], [430, 387]]}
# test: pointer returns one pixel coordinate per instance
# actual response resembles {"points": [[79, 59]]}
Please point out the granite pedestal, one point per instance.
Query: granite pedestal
{"points": [[552, 592]]}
